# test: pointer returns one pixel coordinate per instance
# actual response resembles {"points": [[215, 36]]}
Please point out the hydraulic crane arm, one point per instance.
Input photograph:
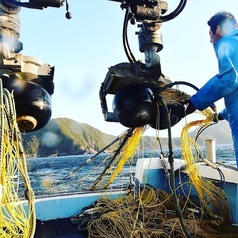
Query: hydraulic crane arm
{"points": [[153, 3], [144, 76], [36, 4]]}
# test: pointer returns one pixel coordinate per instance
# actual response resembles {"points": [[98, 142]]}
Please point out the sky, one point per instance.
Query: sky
{"points": [[82, 49]]}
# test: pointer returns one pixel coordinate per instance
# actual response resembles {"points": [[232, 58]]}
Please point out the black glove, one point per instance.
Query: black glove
{"points": [[218, 117], [190, 107]]}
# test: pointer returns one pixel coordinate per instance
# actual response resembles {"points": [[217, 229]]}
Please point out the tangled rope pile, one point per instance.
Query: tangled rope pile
{"points": [[151, 214], [15, 221]]}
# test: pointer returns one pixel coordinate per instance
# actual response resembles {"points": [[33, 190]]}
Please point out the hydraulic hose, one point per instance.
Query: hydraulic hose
{"points": [[175, 13], [126, 46], [172, 173], [156, 91]]}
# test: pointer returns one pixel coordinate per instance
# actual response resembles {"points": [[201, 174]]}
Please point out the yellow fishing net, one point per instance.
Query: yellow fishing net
{"points": [[149, 212], [212, 197], [120, 158], [16, 221], [126, 153]]}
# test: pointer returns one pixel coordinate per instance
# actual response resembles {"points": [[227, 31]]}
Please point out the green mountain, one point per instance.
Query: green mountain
{"points": [[64, 136], [221, 132]]}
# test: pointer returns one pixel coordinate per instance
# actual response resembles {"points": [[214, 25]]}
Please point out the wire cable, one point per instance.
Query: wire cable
{"points": [[171, 162], [125, 41], [175, 13]]}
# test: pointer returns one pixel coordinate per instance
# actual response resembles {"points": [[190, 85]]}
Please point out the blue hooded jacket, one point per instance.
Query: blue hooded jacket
{"points": [[224, 84]]}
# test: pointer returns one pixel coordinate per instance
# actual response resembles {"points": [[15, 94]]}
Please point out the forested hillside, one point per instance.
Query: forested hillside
{"points": [[64, 136]]}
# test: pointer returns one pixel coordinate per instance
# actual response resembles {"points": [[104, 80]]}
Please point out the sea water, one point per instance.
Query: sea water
{"points": [[69, 174]]}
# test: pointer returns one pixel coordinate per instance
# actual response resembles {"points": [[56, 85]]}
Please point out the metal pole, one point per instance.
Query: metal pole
{"points": [[211, 150]]}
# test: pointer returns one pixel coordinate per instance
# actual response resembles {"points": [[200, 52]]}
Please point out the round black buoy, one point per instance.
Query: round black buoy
{"points": [[32, 102], [133, 105]]}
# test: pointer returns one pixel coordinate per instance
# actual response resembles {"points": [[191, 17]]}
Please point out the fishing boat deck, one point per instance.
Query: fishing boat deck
{"points": [[54, 213], [58, 228]]}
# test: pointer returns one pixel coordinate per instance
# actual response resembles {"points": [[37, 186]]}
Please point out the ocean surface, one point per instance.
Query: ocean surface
{"points": [[69, 174]]}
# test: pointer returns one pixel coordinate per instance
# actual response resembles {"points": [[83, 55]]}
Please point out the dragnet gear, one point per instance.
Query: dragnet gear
{"points": [[121, 156], [149, 212], [15, 220], [169, 103]]}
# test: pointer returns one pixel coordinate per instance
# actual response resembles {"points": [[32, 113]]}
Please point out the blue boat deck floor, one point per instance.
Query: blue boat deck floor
{"points": [[59, 228]]}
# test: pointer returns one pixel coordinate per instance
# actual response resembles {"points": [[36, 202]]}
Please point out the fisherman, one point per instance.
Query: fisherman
{"points": [[224, 37]]}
